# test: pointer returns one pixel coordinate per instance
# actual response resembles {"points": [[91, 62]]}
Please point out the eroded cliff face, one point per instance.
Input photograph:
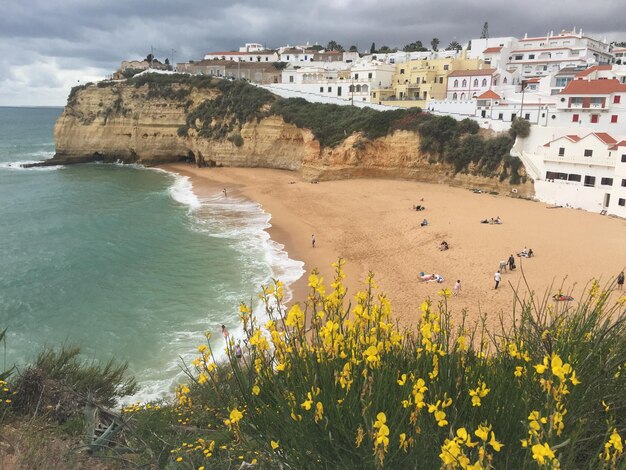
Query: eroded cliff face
{"points": [[125, 123]]}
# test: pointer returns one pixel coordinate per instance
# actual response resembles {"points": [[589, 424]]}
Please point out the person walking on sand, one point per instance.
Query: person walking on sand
{"points": [[497, 277], [457, 287], [620, 280], [224, 191], [511, 262], [313, 240]]}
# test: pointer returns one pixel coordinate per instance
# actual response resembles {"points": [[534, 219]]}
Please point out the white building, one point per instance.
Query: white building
{"points": [[343, 81], [619, 55], [252, 47], [586, 171], [238, 56], [543, 55]]}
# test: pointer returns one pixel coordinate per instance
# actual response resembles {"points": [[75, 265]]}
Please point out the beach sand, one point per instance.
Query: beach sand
{"points": [[370, 223]]}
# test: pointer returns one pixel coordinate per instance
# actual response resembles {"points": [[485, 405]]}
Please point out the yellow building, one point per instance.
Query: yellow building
{"points": [[417, 81]]}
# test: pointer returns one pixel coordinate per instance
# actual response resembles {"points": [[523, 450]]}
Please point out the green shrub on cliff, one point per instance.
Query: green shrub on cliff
{"points": [[237, 104]]}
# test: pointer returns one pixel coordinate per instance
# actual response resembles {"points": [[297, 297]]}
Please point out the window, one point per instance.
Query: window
{"points": [[503, 81], [440, 79], [338, 91], [561, 151], [622, 202], [623, 183], [527, 116], [356, 76], [369, 75], [456, 84], [590, 180], [575, 117], [617, 99], [500, 116], [401, 71], [475, 82], [519, 57], [464, 84], [588, 152], [321, 89], [594, 118], [330, 89], [531, 56], [606, 181], [574, 177], [484, 82], [624, 158], [614, 118]]}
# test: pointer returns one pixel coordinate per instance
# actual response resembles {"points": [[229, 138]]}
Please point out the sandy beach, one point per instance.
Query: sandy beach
{"points": [[370, 223]]}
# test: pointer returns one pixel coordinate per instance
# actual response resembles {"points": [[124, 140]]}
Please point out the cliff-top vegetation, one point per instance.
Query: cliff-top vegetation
{"points": [[337, 385]]}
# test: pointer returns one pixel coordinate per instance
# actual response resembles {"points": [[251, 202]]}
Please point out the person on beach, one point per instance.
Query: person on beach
{"points": [[620, 280], [313, 240], [502, 268], [511, 263], [424, 223], [224, 191], [225, 332], [497, 277], [457, 287]]}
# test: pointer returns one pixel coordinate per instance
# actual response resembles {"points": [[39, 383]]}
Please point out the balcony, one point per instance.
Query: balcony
{"points": [[580, 160]]}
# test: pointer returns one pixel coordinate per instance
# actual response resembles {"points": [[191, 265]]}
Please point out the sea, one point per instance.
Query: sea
{"points": [[121, 260]]}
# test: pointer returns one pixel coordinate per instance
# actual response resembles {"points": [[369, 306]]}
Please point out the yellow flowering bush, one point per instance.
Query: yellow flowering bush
{"points": [[330, 383]]}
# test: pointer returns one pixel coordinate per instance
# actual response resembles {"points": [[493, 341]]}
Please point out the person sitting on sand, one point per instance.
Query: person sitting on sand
{"points": [[498, 220], [424, 223], [443, 246], [419, 207]]}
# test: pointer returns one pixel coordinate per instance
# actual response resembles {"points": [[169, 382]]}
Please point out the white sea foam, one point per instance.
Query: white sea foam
{"points": [[245, 224], [20, 166], [182, 191]]}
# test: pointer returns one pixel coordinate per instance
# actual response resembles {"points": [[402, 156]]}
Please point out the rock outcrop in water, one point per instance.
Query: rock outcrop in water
{"points": [[155, 120]]}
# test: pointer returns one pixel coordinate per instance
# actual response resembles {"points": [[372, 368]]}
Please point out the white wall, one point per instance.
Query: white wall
{"points": [[287, 92]]}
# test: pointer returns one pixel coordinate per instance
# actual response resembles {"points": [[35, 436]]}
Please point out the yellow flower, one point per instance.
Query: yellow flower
{"points": [[403, 442], [275, 445], [541, 452], [495, 444], [402, 380], [319, 411], [482, 432], [256, 390], [202, 348], [616, 441], [295, 317]]}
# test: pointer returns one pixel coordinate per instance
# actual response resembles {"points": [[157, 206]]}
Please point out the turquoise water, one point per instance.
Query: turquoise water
{"points": [[121, 260]]}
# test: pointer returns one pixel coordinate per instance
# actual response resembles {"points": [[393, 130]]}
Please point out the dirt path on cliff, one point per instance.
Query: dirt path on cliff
{"points": [[370, 222]]}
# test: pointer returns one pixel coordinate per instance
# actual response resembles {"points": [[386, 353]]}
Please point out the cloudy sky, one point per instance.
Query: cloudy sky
{"points": [[47, 46]]}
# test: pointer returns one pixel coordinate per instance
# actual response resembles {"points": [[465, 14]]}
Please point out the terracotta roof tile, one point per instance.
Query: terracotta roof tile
{"points": [[489, 95], [590, 70], [604, 137], [490, 50], [619, 144], [467, 73], [593, 87]]}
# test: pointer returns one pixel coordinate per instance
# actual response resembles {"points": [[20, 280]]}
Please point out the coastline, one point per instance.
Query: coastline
{"points": [[370, 223]]}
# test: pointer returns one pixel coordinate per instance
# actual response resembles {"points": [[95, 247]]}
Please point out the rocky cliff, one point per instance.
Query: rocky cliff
{"points": [[138, 122]]}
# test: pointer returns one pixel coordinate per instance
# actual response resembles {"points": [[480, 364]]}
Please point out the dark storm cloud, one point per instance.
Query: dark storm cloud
{"points": [[62, 41]]}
